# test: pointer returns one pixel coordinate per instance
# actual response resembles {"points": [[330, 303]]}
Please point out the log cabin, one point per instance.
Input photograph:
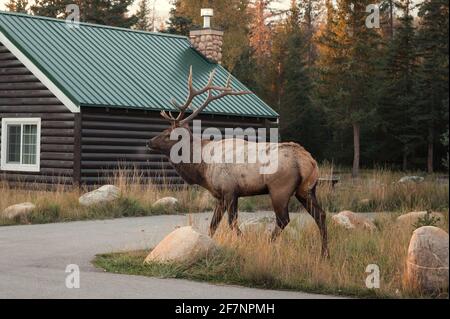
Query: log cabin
{"points": [[79, 100]]}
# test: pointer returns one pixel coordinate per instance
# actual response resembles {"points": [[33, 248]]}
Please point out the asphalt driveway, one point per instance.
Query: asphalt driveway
{"points": [[33, 260]]}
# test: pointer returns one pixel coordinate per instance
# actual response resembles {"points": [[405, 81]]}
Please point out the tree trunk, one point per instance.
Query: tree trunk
{"points": [[405, 160], [356, 150], [391, 19], [430, 150]]}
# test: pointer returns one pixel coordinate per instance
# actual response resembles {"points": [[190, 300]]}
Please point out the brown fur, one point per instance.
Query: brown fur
{"points": [[297, 175]]}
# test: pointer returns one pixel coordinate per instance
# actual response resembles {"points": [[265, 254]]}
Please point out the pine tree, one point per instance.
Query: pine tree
{"points": [[49, 8], [108, 12], [178, 23], [387, 8], [348, 82], [295, 101], [433, 73], [397, 109], [17, 6], [144, 21], [310, 11]]}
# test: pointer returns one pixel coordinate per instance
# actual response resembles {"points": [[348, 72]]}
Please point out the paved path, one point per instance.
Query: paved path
{"points": [[33, 259]]}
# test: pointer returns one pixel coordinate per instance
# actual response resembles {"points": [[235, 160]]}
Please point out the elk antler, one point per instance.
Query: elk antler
{"points": [[225, 90]]}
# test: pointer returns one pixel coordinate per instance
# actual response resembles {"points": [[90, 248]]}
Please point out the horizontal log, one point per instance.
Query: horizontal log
{"points": [[115, 164], [56, 148], [144, 118], [86, 140], [10, 63], [150, 169], [153, 119], [56, 156], [57, 140], [130, 174], [3, 49], [7, 56], [25, 93], [118, 133], [35, 108], [57, 171], [47, 117], [120, 157], [30, 101], [23, 86], [57, 132], [124, 124], [56, 164], [113, 149], [57, 124], [15, 71], [28, 178]]}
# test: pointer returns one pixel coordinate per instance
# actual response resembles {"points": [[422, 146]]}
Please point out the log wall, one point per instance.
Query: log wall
{"points": [[115, 138], [23, 95]]}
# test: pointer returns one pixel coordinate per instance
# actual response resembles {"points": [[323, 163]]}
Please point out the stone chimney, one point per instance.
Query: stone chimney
{"points": [[207, 40]]}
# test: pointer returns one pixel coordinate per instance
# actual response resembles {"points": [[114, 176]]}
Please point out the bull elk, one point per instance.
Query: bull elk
{"points": [[297, 172]]}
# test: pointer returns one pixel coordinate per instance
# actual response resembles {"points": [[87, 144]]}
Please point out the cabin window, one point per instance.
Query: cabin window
{"points": [[20, 144]]}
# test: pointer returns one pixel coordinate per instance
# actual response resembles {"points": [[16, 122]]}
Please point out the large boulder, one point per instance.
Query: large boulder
{"points": [[413, 217], [183, 244], [21, 210], [104, 194], [350, 220], [408, 179], [166, 202], [427, 260]]}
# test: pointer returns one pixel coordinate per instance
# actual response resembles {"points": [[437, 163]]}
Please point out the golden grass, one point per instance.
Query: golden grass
{"points": [[376, 190], [293, 262]]}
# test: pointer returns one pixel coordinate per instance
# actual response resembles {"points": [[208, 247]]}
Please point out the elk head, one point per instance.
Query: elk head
{"points": [[162, 142]]}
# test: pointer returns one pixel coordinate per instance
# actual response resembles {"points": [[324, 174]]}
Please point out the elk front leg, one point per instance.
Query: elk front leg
{"points": [[232, 209], [217, 217], [282, 217]]}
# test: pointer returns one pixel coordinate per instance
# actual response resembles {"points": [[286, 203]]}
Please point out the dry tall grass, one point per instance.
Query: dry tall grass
{"points": [[375, 190], [294, 261]]}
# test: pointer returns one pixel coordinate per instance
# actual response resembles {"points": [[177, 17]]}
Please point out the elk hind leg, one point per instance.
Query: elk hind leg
{"points": [[311, 204]]}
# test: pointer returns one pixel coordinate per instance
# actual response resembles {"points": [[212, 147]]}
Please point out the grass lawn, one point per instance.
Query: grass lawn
{"points": [[293, 262], [374, 191]]}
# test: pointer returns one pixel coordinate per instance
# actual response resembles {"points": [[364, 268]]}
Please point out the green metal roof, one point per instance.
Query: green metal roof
{"points": [[96, 65]]}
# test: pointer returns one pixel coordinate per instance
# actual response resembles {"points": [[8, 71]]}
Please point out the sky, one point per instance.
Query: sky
{"points": [[163, 7]]}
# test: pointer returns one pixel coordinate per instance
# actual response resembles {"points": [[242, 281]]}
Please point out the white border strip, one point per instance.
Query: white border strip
{"points": [[4, 166], [39, 74]]}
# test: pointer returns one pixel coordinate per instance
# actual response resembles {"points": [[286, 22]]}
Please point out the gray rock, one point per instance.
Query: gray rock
{"points": [[415, 179], [413, 217], [104, 194], [166, 202], [350, 220], [181, 245], [22, 209], [427, 260]]}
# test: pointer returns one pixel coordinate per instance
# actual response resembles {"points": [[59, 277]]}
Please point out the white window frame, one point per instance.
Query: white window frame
{"points": [[4, 144]]}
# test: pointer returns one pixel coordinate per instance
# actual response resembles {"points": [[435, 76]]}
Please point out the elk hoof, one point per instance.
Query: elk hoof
{"points": [[325, 254]]}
